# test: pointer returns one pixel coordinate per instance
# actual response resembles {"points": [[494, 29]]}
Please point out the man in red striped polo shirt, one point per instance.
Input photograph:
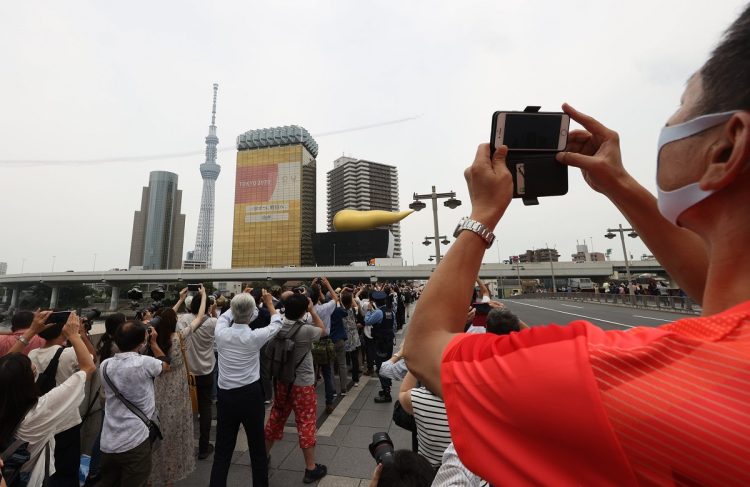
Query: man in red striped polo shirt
{"points": [[576, 405]]}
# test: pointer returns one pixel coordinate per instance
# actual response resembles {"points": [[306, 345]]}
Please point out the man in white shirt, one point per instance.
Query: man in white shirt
{"points": [[199, 350], [125, 444], [325, 310], [68, 442], [240, 394]]}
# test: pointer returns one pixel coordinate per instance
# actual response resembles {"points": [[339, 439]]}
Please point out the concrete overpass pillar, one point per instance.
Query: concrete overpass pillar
{"points": [[14, 298], [53, 298], [114, 301]]}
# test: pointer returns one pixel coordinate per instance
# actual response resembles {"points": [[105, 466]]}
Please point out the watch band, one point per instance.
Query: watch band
{"points": [[476, 227], [22, 339]]}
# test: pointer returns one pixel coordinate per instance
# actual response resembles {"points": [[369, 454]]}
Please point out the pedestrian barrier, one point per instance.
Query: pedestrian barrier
{"points": [[678, 304]]}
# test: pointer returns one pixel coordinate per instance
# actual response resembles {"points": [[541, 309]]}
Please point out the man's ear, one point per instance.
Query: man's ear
{"points": [[729, 155]]}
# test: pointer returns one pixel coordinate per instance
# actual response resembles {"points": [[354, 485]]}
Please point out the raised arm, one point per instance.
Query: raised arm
{"points": [[483, 289], [37, 325], [198, 321], [183, 296], [596, 151], [439, 316], [71, 330], [316, 319], [331, 291]]}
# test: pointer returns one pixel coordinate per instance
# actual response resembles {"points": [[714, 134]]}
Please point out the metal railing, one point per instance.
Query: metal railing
{"points": [[676, 304]]}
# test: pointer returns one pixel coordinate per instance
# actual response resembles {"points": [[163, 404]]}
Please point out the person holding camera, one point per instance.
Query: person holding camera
{"points": [[382, 319], [174, 460], [38, 419], [577, 405], [59, 362], [19, 323], [298, 395], [326, 360], [240, 394], [199, 351], [125, 443]]}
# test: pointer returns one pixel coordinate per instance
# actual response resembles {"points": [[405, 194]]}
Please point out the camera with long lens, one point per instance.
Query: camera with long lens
{"points": [[88, 317], [381, 448]]}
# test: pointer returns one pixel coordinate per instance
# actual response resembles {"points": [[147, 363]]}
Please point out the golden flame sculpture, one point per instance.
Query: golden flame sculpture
{"points": [[353, 220]]}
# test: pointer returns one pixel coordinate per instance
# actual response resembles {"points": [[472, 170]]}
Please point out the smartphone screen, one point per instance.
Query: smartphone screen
{"points": [[58, 317], [193, 287], [532, 131]]}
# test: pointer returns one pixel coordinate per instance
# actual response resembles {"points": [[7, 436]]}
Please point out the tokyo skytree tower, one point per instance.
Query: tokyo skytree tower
{"points": [[204, 240]]}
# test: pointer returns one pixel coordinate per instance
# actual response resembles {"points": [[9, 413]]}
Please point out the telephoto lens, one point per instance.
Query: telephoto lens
{"points": [[381, 448]]}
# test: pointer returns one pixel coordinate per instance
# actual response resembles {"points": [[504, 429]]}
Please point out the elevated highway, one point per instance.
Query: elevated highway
{"points": [[116, 279]]}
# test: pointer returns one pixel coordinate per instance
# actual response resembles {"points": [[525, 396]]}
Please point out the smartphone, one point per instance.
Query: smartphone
{"points": [[193, 287], [530, 131], [58, 317]]}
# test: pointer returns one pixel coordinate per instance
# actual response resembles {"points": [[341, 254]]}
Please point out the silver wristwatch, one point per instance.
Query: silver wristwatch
{"points": [[476, 227]]}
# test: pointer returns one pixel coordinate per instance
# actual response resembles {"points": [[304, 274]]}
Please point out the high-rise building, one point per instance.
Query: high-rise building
{"points": [[159, 227], [3, 268], [204, 240], [274, 198], [357, 184]]}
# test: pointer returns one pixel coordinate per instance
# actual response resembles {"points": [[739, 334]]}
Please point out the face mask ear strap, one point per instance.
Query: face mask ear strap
{"points": [[692, 127]]}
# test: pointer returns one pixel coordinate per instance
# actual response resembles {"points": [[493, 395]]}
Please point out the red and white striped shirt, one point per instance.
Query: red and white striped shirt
{"points": [[576, 405]]}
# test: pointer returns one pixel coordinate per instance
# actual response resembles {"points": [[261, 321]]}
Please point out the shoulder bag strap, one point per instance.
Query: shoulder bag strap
{"points": [[184, 355], [55, 360], [133, 408]]}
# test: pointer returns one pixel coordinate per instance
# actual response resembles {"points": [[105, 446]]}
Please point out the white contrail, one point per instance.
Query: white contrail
{"points": [[172, 155]]}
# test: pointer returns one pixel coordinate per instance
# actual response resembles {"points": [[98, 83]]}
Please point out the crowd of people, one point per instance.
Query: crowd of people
{"points": [[243, 353], [488, 400]]}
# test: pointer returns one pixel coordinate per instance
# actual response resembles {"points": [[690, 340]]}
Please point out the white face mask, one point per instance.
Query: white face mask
{"points": [[673, 203]]}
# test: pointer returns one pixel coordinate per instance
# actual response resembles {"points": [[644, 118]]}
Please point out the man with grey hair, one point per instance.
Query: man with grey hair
{"points": [[240, 394]]}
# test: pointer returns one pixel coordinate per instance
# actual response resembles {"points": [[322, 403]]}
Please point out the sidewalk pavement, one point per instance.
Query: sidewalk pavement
{"points": [[343, 438]]}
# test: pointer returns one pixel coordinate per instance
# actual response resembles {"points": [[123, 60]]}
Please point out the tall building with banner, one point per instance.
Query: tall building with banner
{"points": [[274, 198]]}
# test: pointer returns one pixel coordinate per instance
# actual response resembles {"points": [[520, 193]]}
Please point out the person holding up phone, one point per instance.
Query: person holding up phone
{"points": [[577, 405]]}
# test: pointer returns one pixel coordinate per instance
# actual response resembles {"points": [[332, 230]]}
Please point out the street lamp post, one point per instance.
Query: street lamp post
{"points": [[417, 205], [552, 269], [334, 255], [611, 234]]}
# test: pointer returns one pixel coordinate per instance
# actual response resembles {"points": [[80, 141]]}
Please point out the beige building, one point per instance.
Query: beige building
{"points": [[274, 196]]}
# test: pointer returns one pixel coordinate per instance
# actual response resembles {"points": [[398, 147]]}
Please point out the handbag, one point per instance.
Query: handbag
{"points": [[324, 352], [192, 385], [153, 424], [403, 419]]}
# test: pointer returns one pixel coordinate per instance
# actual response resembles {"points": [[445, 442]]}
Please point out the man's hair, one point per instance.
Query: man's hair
{"points": [[195, 304], [408, 469], [243, 306], [52, 332], [502, 322], [295, 306], [21, 320], [315, 293], [726, 73], [130, 335]]}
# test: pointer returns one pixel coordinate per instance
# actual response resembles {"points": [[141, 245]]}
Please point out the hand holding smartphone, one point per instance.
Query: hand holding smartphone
{"points": [[533, 139]]}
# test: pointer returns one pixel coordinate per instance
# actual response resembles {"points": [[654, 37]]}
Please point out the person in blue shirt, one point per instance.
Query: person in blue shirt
{"points": [[338, 336], [382, 319]]}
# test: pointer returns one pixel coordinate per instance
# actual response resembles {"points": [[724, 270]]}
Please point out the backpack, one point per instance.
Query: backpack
{"points": [[46, 380], [280, 355]]}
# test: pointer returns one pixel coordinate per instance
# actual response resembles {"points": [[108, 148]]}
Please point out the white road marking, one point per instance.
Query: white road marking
{"points": [[572, 314], [655, 319], [571, 306]]}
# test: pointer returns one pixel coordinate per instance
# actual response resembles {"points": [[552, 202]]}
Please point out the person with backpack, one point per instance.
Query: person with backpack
{"points": [[382, 319], [30, 421], [55, 364], [290, 355]]}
